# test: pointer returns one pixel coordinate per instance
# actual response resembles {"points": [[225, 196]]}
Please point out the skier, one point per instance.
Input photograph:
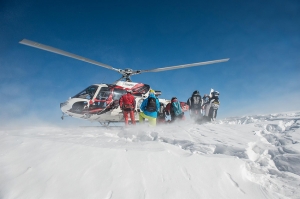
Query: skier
{"points": [[205, 102], [150, 107], [161, 117], [174, 110], [127, 105], [195, 104], [214, 105]]}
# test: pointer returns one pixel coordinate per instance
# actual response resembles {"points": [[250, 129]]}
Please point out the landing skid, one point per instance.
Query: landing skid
{"points": [[63, 116], [105, 124]]}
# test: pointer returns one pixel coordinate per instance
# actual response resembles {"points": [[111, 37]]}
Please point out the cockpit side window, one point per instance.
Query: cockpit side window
{"points": [[87, 93], [103, 93]]}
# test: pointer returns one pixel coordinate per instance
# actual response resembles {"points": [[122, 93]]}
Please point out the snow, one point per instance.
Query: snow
{"points": [[246, 157]]}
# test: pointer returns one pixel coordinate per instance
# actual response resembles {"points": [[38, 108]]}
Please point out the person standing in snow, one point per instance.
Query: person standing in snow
{"points": [[149, 107], [174, 110], [127, 105], [205, 102], [195, 104], [214, 104], [161, 117]]}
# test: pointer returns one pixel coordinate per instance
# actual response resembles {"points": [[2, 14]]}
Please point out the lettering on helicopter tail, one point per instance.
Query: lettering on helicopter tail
{"points": [[128, 84]]}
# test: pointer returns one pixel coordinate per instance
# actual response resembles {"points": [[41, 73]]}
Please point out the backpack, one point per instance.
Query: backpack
{"points": [[176, 108], [151, 105], [196, 101]]}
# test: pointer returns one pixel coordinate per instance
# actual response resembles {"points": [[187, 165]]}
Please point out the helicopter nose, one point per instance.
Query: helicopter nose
{"points": [[63, 104]]}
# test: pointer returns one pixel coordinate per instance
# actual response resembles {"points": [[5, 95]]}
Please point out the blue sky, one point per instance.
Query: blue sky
{"points": [[261, 38]]}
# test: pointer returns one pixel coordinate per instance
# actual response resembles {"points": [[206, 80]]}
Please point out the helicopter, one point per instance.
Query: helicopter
{"points": [[100, 102]]}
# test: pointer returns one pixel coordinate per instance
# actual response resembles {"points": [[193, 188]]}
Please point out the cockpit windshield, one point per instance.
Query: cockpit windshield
{"points": [[87, 93]]}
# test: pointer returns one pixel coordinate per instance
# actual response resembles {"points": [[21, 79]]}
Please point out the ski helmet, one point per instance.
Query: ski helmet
{"points": [[215, 93], [196, 92]]}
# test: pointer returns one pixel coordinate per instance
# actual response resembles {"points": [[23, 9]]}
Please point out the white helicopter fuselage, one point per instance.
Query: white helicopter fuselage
{"points": [[100, 102]]}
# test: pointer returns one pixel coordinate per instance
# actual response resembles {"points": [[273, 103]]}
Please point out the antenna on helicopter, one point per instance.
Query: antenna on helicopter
{"points": [[126, 73]]}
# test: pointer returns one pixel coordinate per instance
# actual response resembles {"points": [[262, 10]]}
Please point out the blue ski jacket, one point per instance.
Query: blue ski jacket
{"points": [[144, 104]]}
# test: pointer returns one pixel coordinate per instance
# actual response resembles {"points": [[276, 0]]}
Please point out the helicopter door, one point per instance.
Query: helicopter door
{"points": [[118, 93], [104, 97]]}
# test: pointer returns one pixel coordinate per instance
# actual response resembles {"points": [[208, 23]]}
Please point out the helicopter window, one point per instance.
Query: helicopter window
{"points": [[87, 93], [104, 97], [104, 93], [118, 93]]}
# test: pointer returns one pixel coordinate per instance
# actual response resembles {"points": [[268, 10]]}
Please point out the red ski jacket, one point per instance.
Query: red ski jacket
{"points": [[127, 101]]}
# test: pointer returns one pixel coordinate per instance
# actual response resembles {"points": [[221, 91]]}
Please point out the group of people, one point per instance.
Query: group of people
{"points": [[206, 108], [171, 112], [151, 109]]}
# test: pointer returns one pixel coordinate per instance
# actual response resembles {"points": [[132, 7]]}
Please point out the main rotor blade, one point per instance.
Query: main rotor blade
{"points": [[61, 52], [184, 66]]}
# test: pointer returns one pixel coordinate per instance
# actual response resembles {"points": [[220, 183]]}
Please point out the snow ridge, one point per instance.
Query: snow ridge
{"points": [[276, 150]]}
